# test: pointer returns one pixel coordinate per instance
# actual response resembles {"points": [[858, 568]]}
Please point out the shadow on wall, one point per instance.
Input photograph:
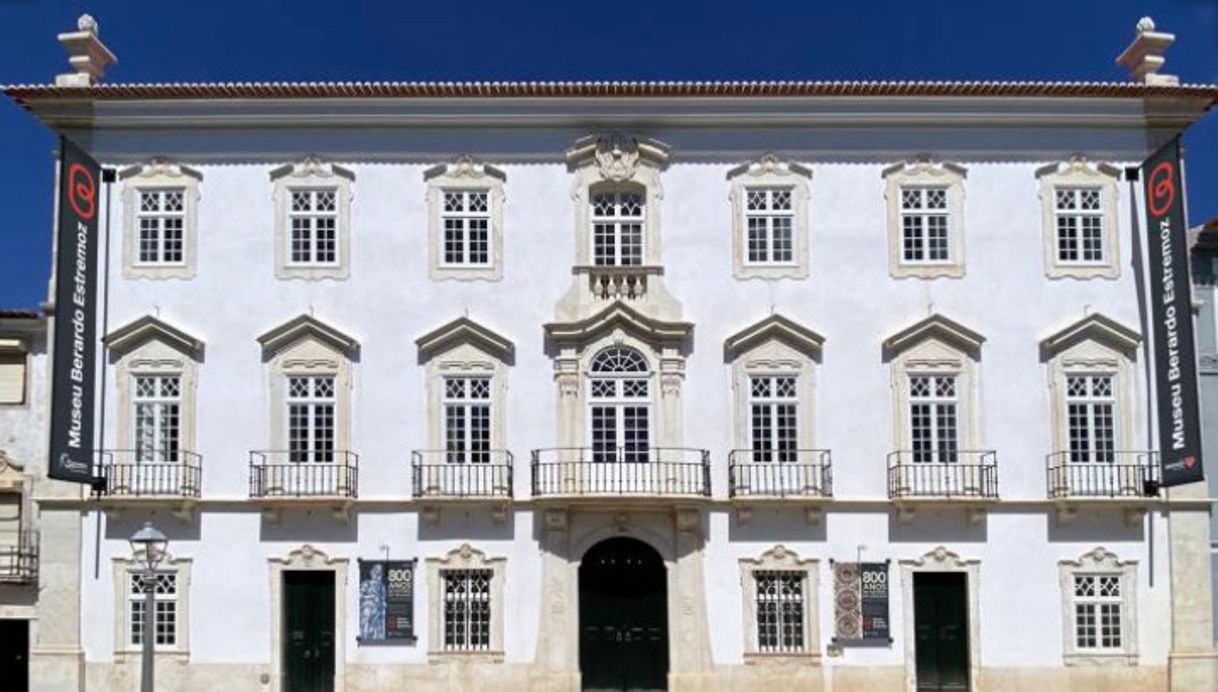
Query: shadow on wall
{"points": [[120, 527], [943, 525], [774, 525], [313, 525], [466, 523], [1098, 525]]}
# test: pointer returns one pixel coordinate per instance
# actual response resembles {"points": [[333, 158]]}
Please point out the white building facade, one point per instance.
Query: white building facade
{"points": [[629, 382]]}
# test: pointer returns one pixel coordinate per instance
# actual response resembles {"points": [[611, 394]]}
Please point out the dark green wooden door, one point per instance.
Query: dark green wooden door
{"points": [[308, 642], [623, 616], [15, 655], [941, 620]]}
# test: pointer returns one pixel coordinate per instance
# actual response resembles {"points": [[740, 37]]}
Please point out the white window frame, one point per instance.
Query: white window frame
{"points": [[468, 449], [768, 216], [158, 403], [1091, 401], [617, 162], [1079, 214], [1099, 562], [161, 217], [1078, 173], [14, 354], [313, 403], [770, 173], [617, 221], [158, 177], [310, 175], [465, 558], [925, 214], [123, 571], [464, 176], [781, 560], [773, 401], [465, 217], [619, 401], [937, 404], [923, 173], [314, 217]]}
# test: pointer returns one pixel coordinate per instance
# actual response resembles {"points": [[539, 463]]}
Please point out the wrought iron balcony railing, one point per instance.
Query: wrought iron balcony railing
{"points": [[443, 473], [148, 473], [1102, 474], [621, 472], [946, 474], [19, 557], [319, 474], [794, 473]]}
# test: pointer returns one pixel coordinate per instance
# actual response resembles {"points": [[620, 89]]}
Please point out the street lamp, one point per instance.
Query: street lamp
{"points": [[148, 544]]}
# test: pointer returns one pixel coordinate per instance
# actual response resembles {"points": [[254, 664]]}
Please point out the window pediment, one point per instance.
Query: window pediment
{"points": [[775, 328], [161, 169], [619, 315], [465, 331], [1095, 328], [131, 336], [465, 168], [617, 156], [304, 327], [311, 167], [938, 328]]}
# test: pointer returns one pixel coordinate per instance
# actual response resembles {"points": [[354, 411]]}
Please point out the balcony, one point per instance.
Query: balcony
{"points": [[948, 477], [1128, 479], [796, 476], [621, 473], [617, 282], [133, 477], [304, 477], [19, 558], [458, 476]]}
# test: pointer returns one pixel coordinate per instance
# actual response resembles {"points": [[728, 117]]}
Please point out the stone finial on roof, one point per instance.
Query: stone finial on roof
{"points": [[87, 55], [1144, 57]]}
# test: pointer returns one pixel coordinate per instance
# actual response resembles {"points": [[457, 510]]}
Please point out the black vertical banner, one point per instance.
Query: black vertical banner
{"points": [[70, 455], [1172, 318]]}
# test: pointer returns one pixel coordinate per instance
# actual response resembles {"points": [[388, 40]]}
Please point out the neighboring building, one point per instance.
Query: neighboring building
{"points": [[658, 386], [1205, 279], [23, 410]]}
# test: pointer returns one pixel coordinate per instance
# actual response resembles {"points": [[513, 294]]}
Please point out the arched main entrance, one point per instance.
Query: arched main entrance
{"points": [[623, 618]]}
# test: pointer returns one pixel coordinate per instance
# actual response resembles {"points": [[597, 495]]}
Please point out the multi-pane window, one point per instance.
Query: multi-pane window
{"points": [[467, 609], [161, 221], [769, 221], [311, 404], [924, 225], [617, 228], [1097, 611], [933, 424], [773, 417], [313, 222], [620, 405], [1079, 219], [164, 613], [466, 221], [1091, 417], [157, 404], [780, 611], [467, 419]]}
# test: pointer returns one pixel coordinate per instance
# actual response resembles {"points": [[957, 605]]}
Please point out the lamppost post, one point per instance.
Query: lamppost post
{"points": [[148, 545]]}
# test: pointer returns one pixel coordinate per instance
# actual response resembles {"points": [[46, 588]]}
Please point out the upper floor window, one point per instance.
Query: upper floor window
{"points": [[774, 417], [933, 424], [769, 218], [157, 404], [160, 237], [1091, 417], [312, 220], [619, 404], [925, 219], [162, 226], [314, 227], [12, 371], [1079, 215], [465, 220], [617, 228], [467, 419], [1098, 608], [311, 418]]}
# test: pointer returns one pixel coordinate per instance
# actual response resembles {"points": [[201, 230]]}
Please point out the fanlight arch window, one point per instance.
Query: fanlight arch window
{"points": [[618, 219], [619, 405]]}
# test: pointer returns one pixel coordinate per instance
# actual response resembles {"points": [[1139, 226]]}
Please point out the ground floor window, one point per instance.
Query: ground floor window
{"points": [[165, 609], [780, 612], [467, 609]]}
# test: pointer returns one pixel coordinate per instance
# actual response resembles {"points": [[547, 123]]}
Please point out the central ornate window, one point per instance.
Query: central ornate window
{"points": [[619, 404], [311, 404], [617, 227], [933, 424]]}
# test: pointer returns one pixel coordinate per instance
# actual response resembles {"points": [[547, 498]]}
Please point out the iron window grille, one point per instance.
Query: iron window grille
{"points": [[466, 220], [467, 609], [617, 228], [924, 225], [313, 222], [161, 221], [769, 218], [1079, 219], [780, 611]]}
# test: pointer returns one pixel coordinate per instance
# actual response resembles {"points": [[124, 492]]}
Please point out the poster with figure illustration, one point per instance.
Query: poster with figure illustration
{"points": [[386, 601]]}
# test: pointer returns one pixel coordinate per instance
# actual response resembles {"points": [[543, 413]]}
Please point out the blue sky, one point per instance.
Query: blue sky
{"points": [[222, 40]]}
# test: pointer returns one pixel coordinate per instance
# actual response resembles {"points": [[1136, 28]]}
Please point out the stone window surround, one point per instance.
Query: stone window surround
{"points": [[306, 346], [1094, 345], [311, 172], [781, 559], [1077, 172], [307, 558], [936, 346], [769, 171], [465, 173], [918, 172], [467, 349], [160, 174], [775, 346], [617, 162], [121, 569], [464, 557], [941, 560], [1100, 561], [19, 347]]}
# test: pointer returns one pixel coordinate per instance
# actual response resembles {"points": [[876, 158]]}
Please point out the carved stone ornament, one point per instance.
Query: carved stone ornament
{"points": [[617, 157]]}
